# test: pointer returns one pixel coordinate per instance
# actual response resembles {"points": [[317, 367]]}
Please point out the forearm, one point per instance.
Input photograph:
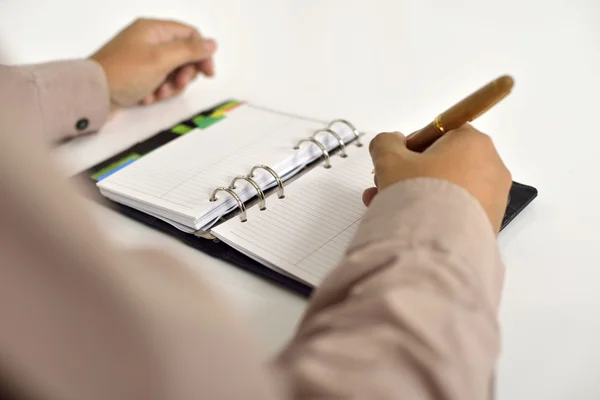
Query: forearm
{"points": [[411, 309], [67, 98]]}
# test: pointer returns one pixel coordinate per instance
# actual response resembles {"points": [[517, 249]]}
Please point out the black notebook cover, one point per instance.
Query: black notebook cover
{"points": [[520, 196]]}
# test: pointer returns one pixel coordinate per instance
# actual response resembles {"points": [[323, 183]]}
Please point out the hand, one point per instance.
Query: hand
{"points": [[154, 60], [463, 156]]}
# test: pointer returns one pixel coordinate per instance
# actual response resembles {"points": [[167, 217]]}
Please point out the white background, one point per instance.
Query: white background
{"points": [[392, 65]]}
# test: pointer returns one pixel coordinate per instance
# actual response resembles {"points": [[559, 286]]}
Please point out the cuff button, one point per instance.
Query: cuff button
{"points": [[82, 124]]}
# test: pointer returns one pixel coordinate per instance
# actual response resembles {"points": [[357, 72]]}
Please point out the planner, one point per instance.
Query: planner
{"points": [[269, 191], [175, 183]]}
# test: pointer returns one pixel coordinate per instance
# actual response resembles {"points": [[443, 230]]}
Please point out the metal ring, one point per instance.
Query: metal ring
{"points": [[335, 135], [234, 194], [261, 195], [323, 149], [349, 125], [280, 193]]}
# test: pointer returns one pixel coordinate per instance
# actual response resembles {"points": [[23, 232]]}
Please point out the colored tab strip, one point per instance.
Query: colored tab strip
{"points": [[228, 106], [203, 122], [114, 167]]}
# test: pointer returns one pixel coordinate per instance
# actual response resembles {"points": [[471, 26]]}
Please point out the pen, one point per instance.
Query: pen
{"points": [[459, 114]]}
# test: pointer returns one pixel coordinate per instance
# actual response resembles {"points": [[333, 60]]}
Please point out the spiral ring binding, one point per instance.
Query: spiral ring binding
{"points": [[261, 195], [323, 149], [349, 125], [280, 190], [234, 194], [280, 193], [335, 135]]}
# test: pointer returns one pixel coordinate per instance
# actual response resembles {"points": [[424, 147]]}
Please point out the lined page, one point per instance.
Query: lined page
{"points": [[177, 180], [180, 176], [306, 233]]}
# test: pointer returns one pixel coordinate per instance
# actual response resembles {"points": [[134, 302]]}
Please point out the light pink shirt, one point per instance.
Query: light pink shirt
{"points": [[410, 312]]}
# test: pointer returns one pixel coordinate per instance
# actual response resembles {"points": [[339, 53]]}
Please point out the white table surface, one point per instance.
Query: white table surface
{"points": [[392, 65]]}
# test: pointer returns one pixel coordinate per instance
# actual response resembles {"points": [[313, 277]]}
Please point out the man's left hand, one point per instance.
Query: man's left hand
{"points": [[153, 60]]}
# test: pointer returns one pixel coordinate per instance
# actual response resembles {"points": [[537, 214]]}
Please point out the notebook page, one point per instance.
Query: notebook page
{"points": [[306, 233], [178, 179]]}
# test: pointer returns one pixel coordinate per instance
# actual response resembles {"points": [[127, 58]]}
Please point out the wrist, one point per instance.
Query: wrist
{"points": [[113, 108]]}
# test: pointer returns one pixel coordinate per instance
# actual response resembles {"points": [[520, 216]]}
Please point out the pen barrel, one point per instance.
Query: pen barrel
{"points": [[476, 104], [461, 113]]}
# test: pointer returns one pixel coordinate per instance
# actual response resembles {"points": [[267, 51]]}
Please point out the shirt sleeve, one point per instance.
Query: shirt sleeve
{"points": [[71, 97], [411, 311]]}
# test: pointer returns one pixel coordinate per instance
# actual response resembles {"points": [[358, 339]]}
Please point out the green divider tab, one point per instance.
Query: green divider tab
{"points": [[203, 122], [181, 129]]}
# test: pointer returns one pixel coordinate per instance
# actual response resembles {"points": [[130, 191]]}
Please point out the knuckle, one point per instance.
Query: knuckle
{"points": [[486, 140], [375, 143], [481, 139], [382, 140], [469, 134], [190, 49], [485, 137], [194, 44], [382, 135]]}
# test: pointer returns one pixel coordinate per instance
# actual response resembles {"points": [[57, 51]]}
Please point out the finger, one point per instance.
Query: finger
{"points": [[207, 67], [387, 142], [169, 91], [148, 99], [186, 51], [184, 76], [212, 43], [369, 195], [165, 91]]}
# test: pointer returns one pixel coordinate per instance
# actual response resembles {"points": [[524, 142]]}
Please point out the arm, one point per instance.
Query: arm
{"points": [[84, 319], [411, 311], [147, 62], [71, 97]]}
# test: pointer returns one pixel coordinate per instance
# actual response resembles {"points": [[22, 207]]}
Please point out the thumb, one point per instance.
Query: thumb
{"points": [[185, 51], [388, 150]]}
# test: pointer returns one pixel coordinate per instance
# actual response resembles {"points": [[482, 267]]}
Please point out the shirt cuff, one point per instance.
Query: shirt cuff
{"points": [[434, 213], [73, 97]]}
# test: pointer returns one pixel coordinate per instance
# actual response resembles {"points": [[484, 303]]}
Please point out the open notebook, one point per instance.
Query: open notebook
{"points": [[283, 191], [175, 183]]}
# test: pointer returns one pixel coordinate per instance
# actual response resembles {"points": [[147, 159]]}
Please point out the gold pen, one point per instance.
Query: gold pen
{"points": [[461, 113]]}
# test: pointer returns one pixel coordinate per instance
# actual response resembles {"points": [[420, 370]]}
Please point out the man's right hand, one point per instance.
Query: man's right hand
{"points": [[463, 156]]}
